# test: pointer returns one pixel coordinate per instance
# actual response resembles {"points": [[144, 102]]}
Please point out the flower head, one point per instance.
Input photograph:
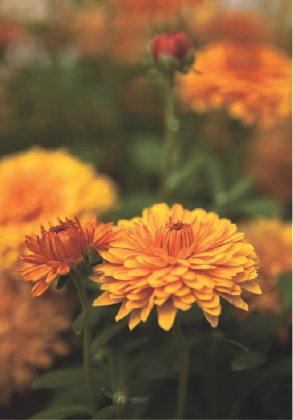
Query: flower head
{"points": [[171, 258], [253, 81], [59, 249], [30, 335], [40, 185], [272, 240]]}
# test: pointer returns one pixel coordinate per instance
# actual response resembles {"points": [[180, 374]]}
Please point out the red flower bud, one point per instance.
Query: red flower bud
{"points": [[175, 44]]}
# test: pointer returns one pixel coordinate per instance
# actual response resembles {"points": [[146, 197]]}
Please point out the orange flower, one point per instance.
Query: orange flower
{"points": [[160, 9], [172, 258], [253, 81], [30, 334], [59, 249]]}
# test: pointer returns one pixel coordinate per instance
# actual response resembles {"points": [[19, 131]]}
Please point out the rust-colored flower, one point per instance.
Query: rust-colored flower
{"points": [[40, 185], [272, 241], [30, 335], [62, 248], [59, 249], [172, 258], [175, 44], [11, 32], [270, 160], [253, 81]]}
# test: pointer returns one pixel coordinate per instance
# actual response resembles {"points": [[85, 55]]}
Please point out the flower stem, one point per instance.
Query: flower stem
{"points": [[169, 136], [87, 337], [183, 362]]}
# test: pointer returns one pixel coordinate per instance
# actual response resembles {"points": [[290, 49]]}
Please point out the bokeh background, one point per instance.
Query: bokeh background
{"points": [[81, 134]]}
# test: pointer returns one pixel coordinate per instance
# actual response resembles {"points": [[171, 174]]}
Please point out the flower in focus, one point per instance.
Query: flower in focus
{"points": [[30, 337], [61, 248], [272, 240], [172, 258], [40, 185], [242, 73], [270, 160]]}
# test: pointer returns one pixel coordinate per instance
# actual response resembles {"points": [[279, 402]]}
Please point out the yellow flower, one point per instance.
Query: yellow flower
{"points": [[253, 81], [272, 241], [40, 185], [30, 337], [172, 258]]}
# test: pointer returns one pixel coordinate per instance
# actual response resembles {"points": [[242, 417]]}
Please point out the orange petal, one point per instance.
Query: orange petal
{"points": [[135, 318], [166, 315], [105, 299], [39, 288], [213, 320]]}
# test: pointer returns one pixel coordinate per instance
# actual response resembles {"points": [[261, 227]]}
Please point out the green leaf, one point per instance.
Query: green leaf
{"points": [[81, 323], [247, 360], [185, 172], [107, 413], [61, 412], [240, 188], [59, 378], [146, 154], [260, 206], [138, 400], [105, 335]]}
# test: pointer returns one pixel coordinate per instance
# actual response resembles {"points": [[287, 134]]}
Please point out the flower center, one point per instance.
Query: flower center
{"points": [[176, 236]]}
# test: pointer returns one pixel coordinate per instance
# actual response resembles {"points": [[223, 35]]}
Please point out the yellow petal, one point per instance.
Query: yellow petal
{"points": [[213, 320], [135, 318], [166, 315]]}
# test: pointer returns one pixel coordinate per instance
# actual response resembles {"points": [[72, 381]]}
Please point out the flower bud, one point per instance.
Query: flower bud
{"points": [[169, 51]]}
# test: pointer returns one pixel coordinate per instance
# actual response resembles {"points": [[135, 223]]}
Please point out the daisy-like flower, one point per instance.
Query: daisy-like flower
{"points": [[40, 185], [272, 240], [172, 258], [30, 335], [60, 249], [251, 80]]}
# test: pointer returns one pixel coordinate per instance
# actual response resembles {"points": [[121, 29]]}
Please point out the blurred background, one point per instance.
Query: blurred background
{"points": [[81, 133]]}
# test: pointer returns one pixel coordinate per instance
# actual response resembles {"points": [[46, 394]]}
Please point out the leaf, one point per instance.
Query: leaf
{"points": [[107, 413], [138, 400], [81, 323], [185, 172], [247, 360], [240, 188], [146, 154], [105, 335], [260, 206], [61, 412], [59, 378]]}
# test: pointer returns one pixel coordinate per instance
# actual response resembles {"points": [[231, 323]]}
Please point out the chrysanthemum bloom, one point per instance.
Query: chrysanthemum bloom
{"points": [[270, 160], [62, 248], [41, 185], [252, 81], [30, 337], [172, 258], [11, 32], [272, 241]]}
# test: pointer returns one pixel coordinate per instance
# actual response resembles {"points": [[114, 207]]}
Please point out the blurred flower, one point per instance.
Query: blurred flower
{"points": [[270, 160], [153, 9], [240, 72], [272, 240], [174, 44], [11, 32], [30, 337], [40, 185], [59, 249], [172, 258], [253, 83]]}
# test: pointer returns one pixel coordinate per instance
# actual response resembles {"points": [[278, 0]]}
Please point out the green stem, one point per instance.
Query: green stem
{"points": [[87, 338], [183, 362], [169, 137]]}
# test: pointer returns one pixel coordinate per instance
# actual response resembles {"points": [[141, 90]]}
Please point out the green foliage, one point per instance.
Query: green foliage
{"points": [[62, 412], [247, 360], [81, 323]]}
